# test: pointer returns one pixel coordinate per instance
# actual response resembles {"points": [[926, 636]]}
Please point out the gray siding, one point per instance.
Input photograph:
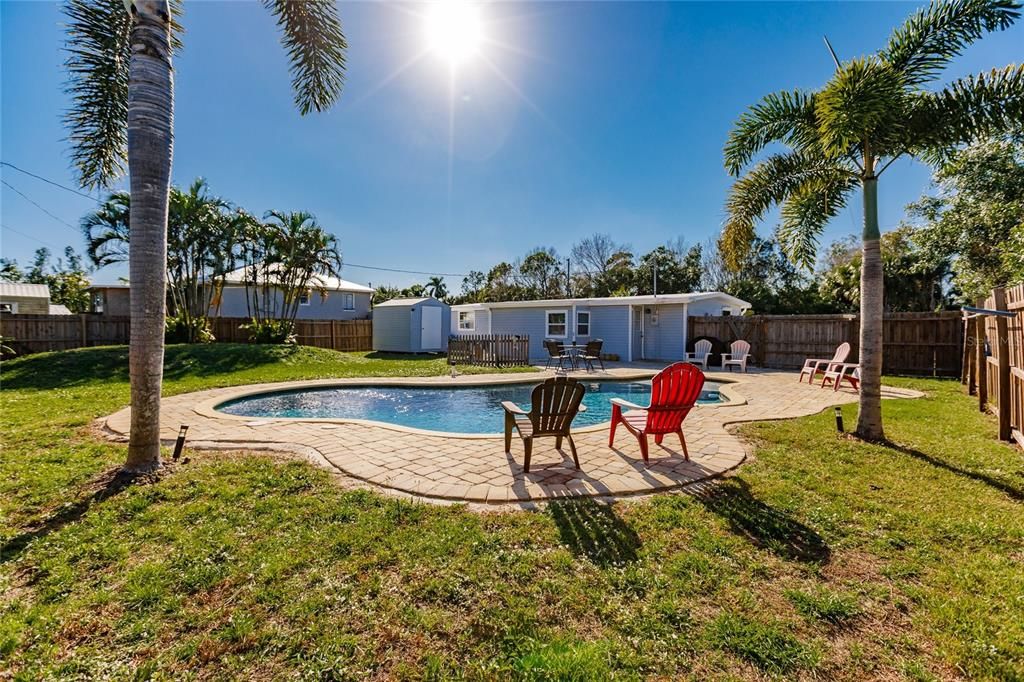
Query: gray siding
{"points": [[611, 324], [710, 307], [665, 341], [330, 308], [522, 321]]}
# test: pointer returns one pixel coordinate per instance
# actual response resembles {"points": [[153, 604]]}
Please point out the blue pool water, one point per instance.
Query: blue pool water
{"points": [[474, 409]]}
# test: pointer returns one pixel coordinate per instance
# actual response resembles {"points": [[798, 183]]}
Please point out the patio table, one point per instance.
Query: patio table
{"points": [[575, 352]]}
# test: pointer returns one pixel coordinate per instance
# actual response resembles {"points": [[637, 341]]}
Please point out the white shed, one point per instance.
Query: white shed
{"points": [[411, 325]]}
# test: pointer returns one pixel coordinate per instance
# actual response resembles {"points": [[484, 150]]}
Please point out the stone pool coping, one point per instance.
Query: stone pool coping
{"points": [[208, 408], [473, 468]]}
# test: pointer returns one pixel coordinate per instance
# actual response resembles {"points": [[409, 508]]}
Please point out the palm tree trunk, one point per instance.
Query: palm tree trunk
{"points": [[869, 416], [150, 144]]}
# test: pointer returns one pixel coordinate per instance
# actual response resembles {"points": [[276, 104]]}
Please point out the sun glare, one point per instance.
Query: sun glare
{"points": [[454, 30]]}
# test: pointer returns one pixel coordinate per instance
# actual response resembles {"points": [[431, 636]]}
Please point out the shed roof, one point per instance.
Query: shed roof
{"points": [[58, 309], [24, 290], [396, 302]]}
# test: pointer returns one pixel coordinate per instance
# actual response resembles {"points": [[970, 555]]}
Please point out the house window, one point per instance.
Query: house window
{"points": [[350, 301], [557, 323], [467, 320], [726, 311], [9, 308], [304, 298], [582, 323]]}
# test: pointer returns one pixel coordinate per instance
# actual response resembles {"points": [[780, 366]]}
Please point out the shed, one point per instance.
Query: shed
{"points": [[24, 299], [411, 325]]}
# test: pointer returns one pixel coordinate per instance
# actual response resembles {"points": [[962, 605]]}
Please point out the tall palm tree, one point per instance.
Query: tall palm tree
{"points": [[874, 110], [436, 287], [122, 90]]}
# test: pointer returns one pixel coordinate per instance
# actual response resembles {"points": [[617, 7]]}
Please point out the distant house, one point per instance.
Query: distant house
{"points": [[17, 298], [632, 327], [342, 300]]}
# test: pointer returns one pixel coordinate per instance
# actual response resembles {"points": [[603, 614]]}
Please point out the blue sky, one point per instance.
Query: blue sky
{"points": [[587, 117]]}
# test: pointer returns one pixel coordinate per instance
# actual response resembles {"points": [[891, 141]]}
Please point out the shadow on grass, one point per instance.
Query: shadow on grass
{"points": [[761, 524], [110, 364], [103, 487], [420, 357], [1014, 492], [593, 529]]}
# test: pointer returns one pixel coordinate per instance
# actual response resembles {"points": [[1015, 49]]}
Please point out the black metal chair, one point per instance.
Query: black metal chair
{"points": [[555, 352], [592, 352]]}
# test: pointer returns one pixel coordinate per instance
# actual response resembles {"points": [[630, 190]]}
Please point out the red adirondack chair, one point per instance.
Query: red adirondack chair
{"points": [[674, 391]]}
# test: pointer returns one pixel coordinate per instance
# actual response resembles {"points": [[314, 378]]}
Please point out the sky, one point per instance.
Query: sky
{"points": [[571, 119]]}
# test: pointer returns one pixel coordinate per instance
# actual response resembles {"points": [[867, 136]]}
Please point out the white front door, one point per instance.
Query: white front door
{"points": [[430, 333]]}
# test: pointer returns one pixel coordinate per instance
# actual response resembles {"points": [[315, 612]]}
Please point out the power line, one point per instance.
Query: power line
{"points": [[411, 272], [48, 181], [28, 236], [23, 196]]}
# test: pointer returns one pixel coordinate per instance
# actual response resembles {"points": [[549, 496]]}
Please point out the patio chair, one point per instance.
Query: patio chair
{"points": [[812, 366], [592, 353], [674, 391], [555, 352], [701, 351], [848, 371], [554, 405], [738, 353]]}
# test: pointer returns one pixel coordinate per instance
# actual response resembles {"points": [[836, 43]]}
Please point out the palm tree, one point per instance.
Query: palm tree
{"points": [[122, 90], [436, 287], [304, 256], [874, 110]]}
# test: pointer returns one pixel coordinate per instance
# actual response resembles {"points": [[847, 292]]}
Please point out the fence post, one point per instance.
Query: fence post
{"points": [[1003, 354], [981, 363], [85, 329]]}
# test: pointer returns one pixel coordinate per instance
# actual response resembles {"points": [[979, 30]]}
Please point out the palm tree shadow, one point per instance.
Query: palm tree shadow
{"points": [[1014, 492], [592, 529], [760, 524], [104, 487]]}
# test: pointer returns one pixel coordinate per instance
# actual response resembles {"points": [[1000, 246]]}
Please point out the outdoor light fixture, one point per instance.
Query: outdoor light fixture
{"points": [[839, 419], [179, 444]]}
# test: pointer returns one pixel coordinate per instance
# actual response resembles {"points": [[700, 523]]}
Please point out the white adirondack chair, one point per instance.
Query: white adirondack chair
{"points": [[814, 365], [738, 353], [701, 351]]}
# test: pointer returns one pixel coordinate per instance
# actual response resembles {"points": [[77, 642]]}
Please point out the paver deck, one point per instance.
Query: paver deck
{"points": [[475, 468]]}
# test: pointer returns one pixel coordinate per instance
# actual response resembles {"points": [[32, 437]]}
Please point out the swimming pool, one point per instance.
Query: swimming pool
{"points": [[475, 409]]}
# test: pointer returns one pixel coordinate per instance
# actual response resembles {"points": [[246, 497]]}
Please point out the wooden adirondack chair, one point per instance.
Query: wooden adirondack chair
{"points": [[674, 391], [554, 405], [701, 351], [812, 366], [738, 353]]}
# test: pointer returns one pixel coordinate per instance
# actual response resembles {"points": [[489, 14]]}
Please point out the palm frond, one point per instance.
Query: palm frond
{"points": [[968, 109], [807, 210], [106, 230], [937, 34], [316, 48], [770, 183], [864, 101], [781, 116], [97, 63]]}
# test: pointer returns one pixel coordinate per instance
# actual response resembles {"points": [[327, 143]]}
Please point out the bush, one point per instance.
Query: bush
{"points": [[271, 331], [180, 329]]}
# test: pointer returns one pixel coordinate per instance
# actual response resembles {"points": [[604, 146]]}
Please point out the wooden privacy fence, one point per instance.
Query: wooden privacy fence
{"points": [[922, 344], [39, 333], [994, 360], [490, 350]]}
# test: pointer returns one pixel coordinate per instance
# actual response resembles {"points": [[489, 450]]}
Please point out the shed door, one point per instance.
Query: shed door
{"points": [[430, 334]]}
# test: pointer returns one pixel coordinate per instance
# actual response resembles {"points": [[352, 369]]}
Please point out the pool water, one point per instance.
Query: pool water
{"points": [[474, 409]]}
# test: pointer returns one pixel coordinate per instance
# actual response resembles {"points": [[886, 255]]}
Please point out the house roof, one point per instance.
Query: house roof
{"points": [[403, 301], [611, 300], [24, 290], [237, 278]]}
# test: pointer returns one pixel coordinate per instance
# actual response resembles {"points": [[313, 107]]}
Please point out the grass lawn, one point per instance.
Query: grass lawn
{"points": [[823, 557]]}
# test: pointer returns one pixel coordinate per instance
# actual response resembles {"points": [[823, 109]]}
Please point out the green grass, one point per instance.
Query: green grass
{"points": [[823, 557]]}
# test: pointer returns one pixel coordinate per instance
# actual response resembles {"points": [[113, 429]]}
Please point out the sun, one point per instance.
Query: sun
{"points": [[454, 30]]}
